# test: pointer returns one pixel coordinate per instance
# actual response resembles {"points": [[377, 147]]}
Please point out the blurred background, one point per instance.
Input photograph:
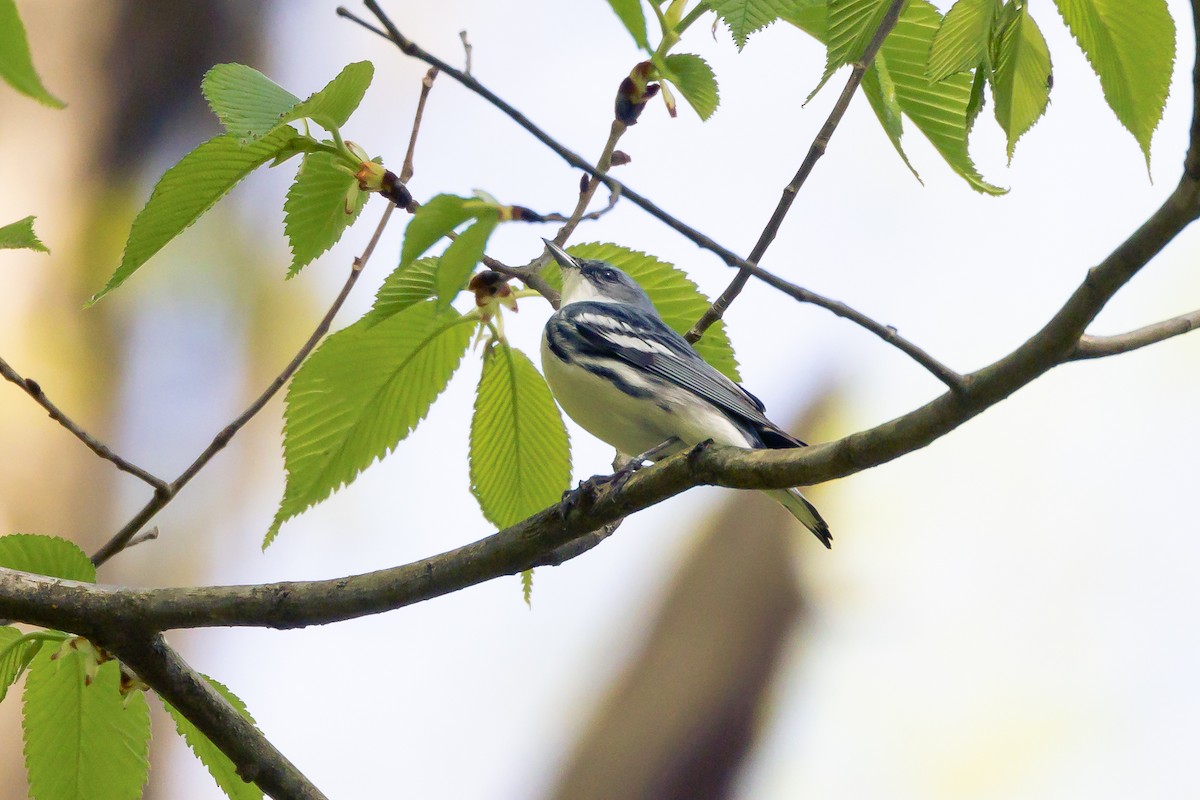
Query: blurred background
{"points": [[1011, 612]]}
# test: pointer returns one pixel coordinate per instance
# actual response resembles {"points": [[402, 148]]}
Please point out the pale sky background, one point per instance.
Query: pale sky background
{"points": [[1011, 612]]}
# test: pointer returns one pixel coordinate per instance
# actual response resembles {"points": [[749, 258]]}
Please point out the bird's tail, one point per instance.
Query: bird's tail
{"points": [[801, 509]]}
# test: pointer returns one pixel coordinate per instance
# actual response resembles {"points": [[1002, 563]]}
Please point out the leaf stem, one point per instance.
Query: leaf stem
{"points": [[33, 636], [692, 16]]}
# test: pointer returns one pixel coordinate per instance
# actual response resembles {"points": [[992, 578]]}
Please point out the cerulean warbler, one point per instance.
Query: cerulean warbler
{"points": [[628, 379]]}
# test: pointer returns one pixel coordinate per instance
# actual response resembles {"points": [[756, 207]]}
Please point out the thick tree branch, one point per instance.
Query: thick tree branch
{"points": [[85, 608], [820, 143], [89, 610], [121, 539], [1191, 164], [34, 390], [256, 759], [1101, 346]]}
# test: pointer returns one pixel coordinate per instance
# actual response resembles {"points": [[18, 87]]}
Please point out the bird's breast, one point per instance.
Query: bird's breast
{"points": [[628, 408]]}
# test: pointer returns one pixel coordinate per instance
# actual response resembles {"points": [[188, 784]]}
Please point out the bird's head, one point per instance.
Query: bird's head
{"points": [[585, 279]]}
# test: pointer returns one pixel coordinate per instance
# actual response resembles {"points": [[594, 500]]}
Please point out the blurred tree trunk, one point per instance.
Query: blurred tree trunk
{"points": [[678, 724], [130, 73]]}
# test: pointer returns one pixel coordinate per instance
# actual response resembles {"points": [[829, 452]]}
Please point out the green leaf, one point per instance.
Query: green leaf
{"points": [[19, 235], [633, 18], [246, 102], [186, 191], [363, 390], [16, 651], [433, 220], [880, 90], [250, 105], [406, 286], [315, 212], [46, 555], [849, 28], [1131, 46], [675, 295], [962, 39], [810, 16], [527, 586], [333, 105], [695, 80], [745, 17], [939, 110], [16, 64], [219, 765], [977, 98], [462, 255], [83, 742], [520, 455], [1021, 81]]}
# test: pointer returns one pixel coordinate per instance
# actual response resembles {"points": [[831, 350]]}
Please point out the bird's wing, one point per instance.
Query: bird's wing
{"points": [[644, 340]]}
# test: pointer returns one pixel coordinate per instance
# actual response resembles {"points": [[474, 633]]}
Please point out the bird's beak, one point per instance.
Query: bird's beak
{"points": [[564, 259]]}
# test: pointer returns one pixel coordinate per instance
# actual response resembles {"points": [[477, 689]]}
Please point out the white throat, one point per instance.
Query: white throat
{"points": [[577, 289]]}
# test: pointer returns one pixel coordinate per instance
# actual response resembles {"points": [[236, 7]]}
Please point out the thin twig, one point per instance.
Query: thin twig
{"points": [[558, 216], [585, 197], [532, 279], [145, 536], [815, 151], [527, 275], [952, 379], [1101, 346], [121, 539], [467, 50], [34, 390], [406, 171]]}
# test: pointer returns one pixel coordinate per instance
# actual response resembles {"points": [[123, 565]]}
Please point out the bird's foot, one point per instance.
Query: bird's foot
{"points": [[583, 497], [624, 467], [589, 490]]}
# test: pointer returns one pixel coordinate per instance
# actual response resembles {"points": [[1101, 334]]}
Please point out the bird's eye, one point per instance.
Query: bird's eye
{"points": [[609, 275]]}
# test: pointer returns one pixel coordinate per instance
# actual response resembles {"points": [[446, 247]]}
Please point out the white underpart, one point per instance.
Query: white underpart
{"points": [[635, 424]]}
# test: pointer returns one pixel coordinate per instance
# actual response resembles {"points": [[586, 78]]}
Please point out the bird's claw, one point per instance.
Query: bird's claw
{"points": [[584, 496], [589, 490]]}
